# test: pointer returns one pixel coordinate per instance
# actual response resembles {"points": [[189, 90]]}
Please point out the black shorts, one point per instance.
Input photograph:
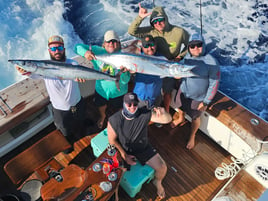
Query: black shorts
{"points": [[114, 102], [168, 84], [190, 106], [144, 155]]}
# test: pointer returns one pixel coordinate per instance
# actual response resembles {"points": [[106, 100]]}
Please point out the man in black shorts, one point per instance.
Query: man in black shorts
{"points": [[128, 132]]}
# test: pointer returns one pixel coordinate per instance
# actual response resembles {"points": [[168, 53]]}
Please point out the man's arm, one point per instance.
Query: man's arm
{"points": [[159, 115], [185, 41], [134, 28], [214, 79], [112, 137]]}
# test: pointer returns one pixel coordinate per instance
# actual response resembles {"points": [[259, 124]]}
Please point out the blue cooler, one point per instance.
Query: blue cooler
{"points": [[133, 179], [99, 143]]}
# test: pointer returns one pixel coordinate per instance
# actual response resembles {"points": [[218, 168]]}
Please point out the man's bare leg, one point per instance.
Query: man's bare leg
{"points": [[167, 100], [194, 127], [160, 167], [102, 110]]}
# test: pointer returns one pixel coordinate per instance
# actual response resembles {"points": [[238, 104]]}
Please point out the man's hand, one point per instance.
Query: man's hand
{"points": [[80, 80], [124, 69], [130, 159], [143, 12], [201, 107], [178, 58], [89, 55]]}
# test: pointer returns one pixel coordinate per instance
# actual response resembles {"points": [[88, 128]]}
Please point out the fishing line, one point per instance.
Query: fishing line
{"points": [[201, 24]]}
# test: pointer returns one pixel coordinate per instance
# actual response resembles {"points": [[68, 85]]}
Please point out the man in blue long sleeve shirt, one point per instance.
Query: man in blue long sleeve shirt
{"points": [[196, 93]]}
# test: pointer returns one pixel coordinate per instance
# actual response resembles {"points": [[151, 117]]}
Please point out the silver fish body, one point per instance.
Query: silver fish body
{"points": [[147, 64], [55, 69]]}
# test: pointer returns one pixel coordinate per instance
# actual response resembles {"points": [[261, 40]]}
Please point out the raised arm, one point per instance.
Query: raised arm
{"points": [[135, 29]]}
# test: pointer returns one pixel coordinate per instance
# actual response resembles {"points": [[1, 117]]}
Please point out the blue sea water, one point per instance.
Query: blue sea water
{"points": [[236, 31]]}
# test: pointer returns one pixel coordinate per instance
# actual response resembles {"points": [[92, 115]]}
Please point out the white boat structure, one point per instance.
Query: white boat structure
{"points": [[229, 161]]}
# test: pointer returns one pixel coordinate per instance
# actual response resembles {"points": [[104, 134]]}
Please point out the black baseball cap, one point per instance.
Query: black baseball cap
{"points": [[148, 39], [131, 98]]}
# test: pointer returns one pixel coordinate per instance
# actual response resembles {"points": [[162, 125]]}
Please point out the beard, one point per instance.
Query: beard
{"points": [[61, 58]]}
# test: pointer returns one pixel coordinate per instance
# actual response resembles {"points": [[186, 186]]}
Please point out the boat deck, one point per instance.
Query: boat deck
{"points": [[190, 174]]}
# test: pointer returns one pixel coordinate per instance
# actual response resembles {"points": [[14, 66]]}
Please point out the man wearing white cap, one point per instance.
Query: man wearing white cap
{"points": [[106, 91]]}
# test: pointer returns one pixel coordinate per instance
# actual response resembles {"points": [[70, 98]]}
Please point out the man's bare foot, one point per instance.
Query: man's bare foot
{"points": [[160, 189], [191, 143], [177, 122]]}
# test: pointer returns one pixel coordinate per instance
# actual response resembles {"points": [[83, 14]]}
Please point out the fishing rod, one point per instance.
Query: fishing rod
{"points": [[201, 24]]}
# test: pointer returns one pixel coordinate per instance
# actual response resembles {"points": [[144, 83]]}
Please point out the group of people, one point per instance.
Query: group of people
{"points": [[127, 128]]}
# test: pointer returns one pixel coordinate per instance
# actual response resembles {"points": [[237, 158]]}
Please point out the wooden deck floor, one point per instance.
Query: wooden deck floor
{"points": [[190, 174]]}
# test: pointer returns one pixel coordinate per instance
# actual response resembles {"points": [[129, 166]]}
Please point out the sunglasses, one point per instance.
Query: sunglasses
{"points": [[135, 104], [192, 46], [158, 20], [113, 41], [149, 45], [54, 49]]}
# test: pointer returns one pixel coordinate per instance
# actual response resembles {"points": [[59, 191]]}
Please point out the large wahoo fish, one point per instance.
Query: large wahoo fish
{"points": [[61, 70], [147, 64]]}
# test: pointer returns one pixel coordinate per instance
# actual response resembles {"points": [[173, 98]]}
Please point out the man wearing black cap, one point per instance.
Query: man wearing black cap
{"points": [[128, 132], [67, 104], [148, 87]]}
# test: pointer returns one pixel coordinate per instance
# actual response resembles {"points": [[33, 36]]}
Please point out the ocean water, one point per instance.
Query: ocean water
{"points": [[236, 33]]}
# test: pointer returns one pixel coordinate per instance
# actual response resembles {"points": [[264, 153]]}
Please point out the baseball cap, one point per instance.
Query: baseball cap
{"points": [[195, 38], [147, 40], [156, 18], [111, 35], [131, 98], [55, 39]]}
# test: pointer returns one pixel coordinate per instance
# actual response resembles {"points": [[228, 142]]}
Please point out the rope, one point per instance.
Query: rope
{"points": [[230, 170]]}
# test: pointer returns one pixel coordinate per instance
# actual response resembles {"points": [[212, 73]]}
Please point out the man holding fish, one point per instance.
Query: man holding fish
{"points": [[106, 92], [67, 103], [172, 41]]}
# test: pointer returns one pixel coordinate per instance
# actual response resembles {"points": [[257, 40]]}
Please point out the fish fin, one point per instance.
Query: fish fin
{"points": [[118, 75]]}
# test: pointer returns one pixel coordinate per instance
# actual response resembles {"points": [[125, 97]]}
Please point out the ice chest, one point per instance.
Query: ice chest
{"points": [[99, 143], [133, 179]]}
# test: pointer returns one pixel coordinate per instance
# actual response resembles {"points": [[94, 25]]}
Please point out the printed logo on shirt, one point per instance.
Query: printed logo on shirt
{"points": [[108, 69], [172, 44]]}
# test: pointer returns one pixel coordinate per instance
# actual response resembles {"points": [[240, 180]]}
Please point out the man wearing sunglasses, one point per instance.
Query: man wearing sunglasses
{"points": [[67, 104], [148, 87], [106, 92], [196, 93], [128, 132], [171, 40]]}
